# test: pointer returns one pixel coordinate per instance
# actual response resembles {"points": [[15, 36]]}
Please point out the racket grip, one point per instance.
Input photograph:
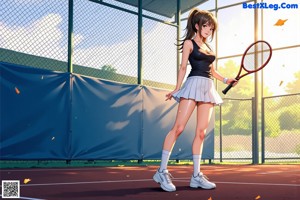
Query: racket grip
{"points": [[228, 88]]}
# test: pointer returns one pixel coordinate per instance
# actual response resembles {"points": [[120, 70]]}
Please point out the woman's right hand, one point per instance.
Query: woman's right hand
{"points": [[169, 95]]}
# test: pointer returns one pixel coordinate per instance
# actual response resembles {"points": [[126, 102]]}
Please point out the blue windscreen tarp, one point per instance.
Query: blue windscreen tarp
{"points": [[34, 113], [54, 115], [106, 120]]}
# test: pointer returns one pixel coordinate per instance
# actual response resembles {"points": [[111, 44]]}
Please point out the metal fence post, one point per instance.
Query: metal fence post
{"points": [[70, 37], [140, 43], [263, 131], [221, 132], [178, 20], [254, 132]]}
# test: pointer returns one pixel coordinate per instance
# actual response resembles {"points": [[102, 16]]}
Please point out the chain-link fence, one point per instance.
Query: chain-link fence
{"points": [[159, 50], [233, 130], [105, 40], [35, 33], [279, 138], [281, 127]]}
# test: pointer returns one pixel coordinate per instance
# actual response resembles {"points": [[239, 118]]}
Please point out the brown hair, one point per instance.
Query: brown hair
{"points": [[199, 17]]}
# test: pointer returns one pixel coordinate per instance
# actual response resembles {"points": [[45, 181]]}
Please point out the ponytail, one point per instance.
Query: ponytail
{"points": [[190, 28]]}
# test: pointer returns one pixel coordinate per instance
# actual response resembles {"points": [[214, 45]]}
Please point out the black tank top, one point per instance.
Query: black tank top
{"points": [[200, 62]]}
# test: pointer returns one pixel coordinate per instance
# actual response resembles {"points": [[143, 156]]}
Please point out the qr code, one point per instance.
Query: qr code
{"points": [[10, 189]]}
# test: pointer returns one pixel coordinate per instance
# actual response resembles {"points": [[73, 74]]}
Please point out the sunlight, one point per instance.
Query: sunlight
{"points": [[236, 32]]}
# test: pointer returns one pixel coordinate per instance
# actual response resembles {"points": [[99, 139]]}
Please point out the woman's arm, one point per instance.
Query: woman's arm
{"points": [[186, 50]]}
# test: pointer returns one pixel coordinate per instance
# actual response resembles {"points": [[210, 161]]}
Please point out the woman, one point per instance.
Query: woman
{"points": [[198, 92]]}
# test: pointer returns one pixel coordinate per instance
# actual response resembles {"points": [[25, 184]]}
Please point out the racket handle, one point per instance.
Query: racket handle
{"points": [[228, 87]]}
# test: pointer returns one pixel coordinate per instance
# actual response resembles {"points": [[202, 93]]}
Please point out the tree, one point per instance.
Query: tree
{"points": [[245, 87], [108, 72], [237, 115], [289, 119], [108, 68], [294, 87]]}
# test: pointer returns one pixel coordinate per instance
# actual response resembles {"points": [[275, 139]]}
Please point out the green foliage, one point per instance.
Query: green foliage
{"points": [[297, 149], [282, 110], [293, 87], [240, 119], [108, 68], [244, 89], [289, 119], [233, 111], [108, 72], [272, 127]]}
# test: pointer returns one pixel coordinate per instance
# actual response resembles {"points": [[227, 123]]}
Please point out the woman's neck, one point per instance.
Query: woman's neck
{"points": [[198, 39]]}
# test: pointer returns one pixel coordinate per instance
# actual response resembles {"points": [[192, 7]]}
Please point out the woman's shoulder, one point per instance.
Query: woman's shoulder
{"points": [[188, 43]]}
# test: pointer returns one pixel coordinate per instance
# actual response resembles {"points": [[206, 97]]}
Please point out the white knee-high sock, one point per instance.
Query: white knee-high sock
{"points": [[164, 160], [196, 160]]}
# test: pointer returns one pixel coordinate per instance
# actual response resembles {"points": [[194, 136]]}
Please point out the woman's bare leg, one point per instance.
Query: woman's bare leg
{"points": [[204, 112], [185, 109]]}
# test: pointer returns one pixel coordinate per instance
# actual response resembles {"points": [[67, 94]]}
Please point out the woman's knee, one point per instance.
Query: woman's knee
{"points": [[178, 130], [201, 134]]}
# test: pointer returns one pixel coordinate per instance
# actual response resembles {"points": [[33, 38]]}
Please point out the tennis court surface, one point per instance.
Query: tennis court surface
{"points": [[265, 182]]}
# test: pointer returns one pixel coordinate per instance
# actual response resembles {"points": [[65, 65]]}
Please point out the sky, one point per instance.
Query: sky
{"points": [[104, 36]]}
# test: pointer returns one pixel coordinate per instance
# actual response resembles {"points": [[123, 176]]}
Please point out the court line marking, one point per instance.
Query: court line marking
{"points": [[53, 169], [86, 182], [242, 183], [278, 172], [143, 180], [66, 169], [97, 168]]}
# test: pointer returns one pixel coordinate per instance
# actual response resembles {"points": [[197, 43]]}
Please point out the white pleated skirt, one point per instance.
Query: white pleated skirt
{"points": [[199, 88]]}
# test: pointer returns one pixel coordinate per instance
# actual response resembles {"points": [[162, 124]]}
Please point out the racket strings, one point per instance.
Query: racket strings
{"points": [[256, 56]]}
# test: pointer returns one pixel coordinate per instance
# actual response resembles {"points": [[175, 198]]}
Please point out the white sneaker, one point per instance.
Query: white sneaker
{"points": [[164, 179], [201, 181]]}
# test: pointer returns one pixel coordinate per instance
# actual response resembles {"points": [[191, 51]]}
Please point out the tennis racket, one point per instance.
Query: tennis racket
{"points": [[258, 54]]}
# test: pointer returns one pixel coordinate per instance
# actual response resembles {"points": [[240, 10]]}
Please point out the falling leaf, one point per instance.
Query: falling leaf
{"points": [[258, 197], [209, 198], [280, 22], [53, 138], [280, 83], [127, 176], [17, 90], [26, 180]]}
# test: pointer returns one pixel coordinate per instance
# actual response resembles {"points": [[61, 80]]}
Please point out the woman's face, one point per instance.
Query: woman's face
{"points": [[206, 30]]}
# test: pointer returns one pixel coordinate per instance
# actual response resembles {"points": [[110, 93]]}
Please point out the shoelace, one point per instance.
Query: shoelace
{"points": [[205, 178], [168, 177]]}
